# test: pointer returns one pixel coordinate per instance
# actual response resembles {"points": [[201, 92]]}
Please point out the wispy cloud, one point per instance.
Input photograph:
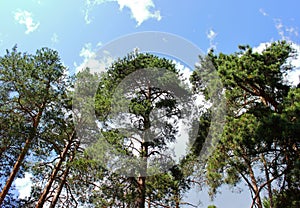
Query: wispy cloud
{"points": [[141, 10], [262, 11], [24, 17], [211, 35], [90, 4], [285, 32], [279, 28], [96, 62], [54, 38], [86, 51], [292, 30]]}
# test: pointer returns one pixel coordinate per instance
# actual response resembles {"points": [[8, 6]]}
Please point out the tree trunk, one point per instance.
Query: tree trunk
{"points": [[177, 203], [269, 185], [15, 170], [177, 199], [140, 202], [141, 199], [63, 179], [24, 151], [56, 169], [255, 187]]}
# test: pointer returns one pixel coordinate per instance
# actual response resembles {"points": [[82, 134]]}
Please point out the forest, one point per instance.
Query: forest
{"points": [[105, 139]]}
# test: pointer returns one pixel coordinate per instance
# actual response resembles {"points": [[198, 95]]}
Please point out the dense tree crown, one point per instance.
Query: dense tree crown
{"points": [[119, 157], [32, 98], [260, 141], [130, 90]]}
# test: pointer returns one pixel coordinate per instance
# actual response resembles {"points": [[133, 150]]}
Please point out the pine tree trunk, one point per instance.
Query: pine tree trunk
{"points": [[177, 204], [177, 199], [56, 169], [255, 187], [59, 188], [15, 170], [63, 179], [140, 202], [269, 185], [24, 151], [141, 199]]}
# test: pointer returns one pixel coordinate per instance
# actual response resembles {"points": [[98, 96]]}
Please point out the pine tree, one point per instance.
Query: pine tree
{"points": [[131, 89], [259, 133], [33, 89]]}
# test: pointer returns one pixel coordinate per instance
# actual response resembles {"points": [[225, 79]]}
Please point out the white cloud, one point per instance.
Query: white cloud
{"points": [[285, 32], [211, 35], [263, 12], [90, 4], [86, 52], [279, 27], [99, 44], [296, 62], [54, 38], [261, 47], [23, 185], [294, 76], [292, 31], [185, 71], [96, 62], [141, 10], [24, 17]]}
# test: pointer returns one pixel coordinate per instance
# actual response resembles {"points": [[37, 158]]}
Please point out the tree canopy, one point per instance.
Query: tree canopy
{"points": [[105, 140], [260, 141]]}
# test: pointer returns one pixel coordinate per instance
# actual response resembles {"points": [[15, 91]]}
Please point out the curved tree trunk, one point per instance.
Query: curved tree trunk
{"points": [[24, 151], [254, 184], [269, 185], [64, 178], [15, 170], [56, 169]]}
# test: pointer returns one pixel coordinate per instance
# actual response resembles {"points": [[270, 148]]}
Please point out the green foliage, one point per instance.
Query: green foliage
{"points": [[262, 128], [33, 96], [286, 198], [111, 107], [259, 144]]}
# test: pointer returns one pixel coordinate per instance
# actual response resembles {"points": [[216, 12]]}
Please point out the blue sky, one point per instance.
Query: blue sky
{"points": [[69, 25], [76, 28]]}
